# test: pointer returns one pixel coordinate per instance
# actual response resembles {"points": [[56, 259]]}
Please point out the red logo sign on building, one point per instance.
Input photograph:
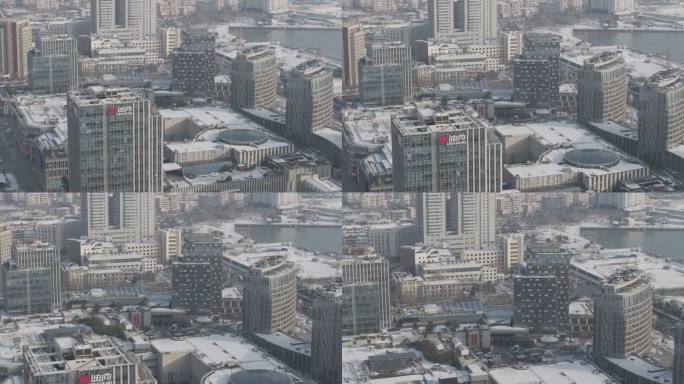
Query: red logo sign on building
{"points": [[112, 110], [84, 379], [452, 139]]}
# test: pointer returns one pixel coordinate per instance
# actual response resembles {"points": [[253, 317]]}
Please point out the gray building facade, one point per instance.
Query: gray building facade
{"points": [[661, 116], [623, 315], [254, 78], [541, 293], [536, 73], [602, 89], [270, 297], [194, 63], [115, 141], [309, 94], [381, 84], [326, 338], [197, 276], [48, 73], [444, 149]]}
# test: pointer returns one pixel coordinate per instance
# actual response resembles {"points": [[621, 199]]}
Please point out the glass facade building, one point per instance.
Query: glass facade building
{"points": [[439, 148]]}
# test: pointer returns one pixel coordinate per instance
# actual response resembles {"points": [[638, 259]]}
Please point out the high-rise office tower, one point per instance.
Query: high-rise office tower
{"points": [[440, 18], [623, 315], [326, 338], [536, 73], [136, 212], [5, 241], [366, 285], [254, 78], [512, 44], [475, 215], [115, 141], [138, 16], [270, 297], [541, 293], [102, 15], [26, 291], [130, 217], [48, 73], [32, 279], [459, 15], [94, 213], [361, 308], [513, 250], [309, 94], [661, 116], [602, 89], [431, 215], [62, 45], [194, 63], [15, 43], [170, 240], [170, 39], [444, 149], [353, 49], [678, 361], [481, 20], [197, 276], [466, 21], [381, 84], [394, 53], [198, 244], [147, 27]]}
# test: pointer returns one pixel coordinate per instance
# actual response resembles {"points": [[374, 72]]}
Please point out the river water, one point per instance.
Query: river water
{"points": [[668, 43], [666, 243], [328, 42], [321, 239]]}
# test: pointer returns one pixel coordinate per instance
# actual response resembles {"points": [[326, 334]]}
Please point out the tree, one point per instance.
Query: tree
{"points": [[100, 328]]}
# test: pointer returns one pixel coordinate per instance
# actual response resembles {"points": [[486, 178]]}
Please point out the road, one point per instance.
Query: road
{"points": [[16, 163]]}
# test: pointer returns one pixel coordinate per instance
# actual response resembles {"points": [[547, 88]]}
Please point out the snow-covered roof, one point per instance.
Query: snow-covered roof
{"points": [[651, 373], [557, 373]]}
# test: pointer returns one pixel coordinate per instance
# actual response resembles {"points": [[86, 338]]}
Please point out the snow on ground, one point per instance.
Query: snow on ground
{"points": [[247, 252], [664, 273], [27, 332], [575, 241], [227, 229], [640, 65], [229, 45], [662, 348], [314, 266], [678, 299]]}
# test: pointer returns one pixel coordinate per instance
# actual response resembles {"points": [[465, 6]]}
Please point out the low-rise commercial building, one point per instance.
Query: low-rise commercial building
{"points": [[553, 155], [82, 359]]}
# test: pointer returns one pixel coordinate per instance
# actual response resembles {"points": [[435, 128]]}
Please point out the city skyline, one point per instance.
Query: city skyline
{"points": [[278, 96], [341, 192], [347, 288]]}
